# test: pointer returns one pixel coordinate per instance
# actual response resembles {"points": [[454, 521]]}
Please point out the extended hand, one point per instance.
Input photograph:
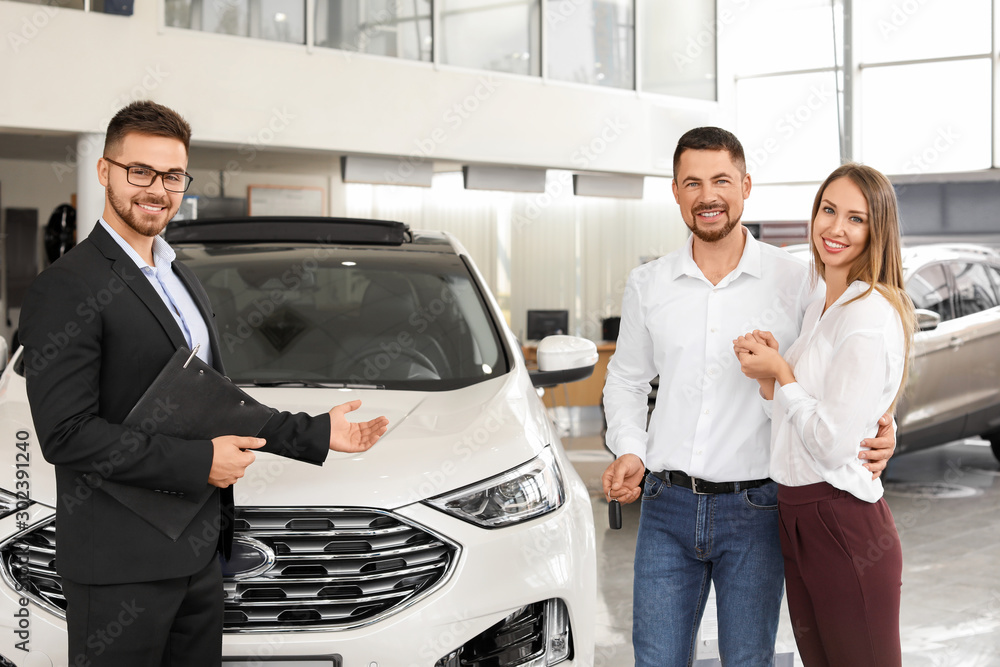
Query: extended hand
{"points": [[882, 447], [229, 461], [353, 437], [621, 479]]}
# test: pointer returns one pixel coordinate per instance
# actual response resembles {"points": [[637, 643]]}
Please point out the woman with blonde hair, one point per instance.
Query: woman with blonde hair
{"points": [[842, 554]]}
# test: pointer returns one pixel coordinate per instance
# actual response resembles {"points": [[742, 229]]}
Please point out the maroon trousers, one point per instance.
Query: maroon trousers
{"points": [[843, 566]]}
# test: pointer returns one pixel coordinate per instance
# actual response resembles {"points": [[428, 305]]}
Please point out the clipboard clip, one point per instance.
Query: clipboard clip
{"points": [[193, 352]]}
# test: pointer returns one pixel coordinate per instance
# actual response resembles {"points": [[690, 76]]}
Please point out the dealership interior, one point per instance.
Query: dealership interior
{"points": [[417, 111]]}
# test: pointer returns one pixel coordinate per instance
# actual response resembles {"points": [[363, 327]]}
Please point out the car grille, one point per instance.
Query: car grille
{"points": [[328, 568]]}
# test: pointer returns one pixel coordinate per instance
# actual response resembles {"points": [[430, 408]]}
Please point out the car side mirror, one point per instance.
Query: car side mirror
{"points": [[927, 320], [564, 359]]}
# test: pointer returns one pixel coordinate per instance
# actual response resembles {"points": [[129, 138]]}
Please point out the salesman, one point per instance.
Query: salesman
{"points": [[85, 369]]}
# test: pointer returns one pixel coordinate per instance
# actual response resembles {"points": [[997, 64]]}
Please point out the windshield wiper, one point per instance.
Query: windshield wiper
{"points": [[312, 384]]}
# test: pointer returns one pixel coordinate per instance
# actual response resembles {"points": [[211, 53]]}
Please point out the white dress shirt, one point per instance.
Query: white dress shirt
{"points": [[709, 420], [848, 366], [172, 291]]}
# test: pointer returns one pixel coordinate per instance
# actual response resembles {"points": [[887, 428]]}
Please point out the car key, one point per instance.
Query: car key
{"points": [[615, 514]]}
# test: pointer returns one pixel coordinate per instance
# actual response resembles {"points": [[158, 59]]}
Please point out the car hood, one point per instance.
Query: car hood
{"points": [[436, 442]]}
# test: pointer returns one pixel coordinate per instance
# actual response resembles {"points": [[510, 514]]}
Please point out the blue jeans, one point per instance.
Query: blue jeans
{"points": [[686, 541]]}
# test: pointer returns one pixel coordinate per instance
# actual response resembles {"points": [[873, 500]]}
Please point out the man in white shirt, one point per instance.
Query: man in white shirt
{"points": [[709, 512]]}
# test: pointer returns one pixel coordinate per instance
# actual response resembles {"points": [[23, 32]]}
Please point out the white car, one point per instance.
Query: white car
{"points": [[464, 537]]}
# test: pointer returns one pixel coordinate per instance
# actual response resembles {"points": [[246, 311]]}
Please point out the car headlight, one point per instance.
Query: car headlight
{"points": [[529, 490]]}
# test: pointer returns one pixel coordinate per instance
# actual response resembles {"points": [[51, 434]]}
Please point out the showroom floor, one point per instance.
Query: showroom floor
{"points": [[946, 502]]}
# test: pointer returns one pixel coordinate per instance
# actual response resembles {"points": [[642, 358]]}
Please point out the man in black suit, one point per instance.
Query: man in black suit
{"points": [[97, 327]]}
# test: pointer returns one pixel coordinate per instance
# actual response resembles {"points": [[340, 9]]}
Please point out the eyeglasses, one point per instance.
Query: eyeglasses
{"points": [[173, 181]]}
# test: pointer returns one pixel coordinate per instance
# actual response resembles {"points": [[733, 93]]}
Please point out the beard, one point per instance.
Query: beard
{"points": [[715, 235], [136, 220]]}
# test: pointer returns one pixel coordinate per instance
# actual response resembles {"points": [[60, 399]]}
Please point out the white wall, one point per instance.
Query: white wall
{"points": [[75, 70]]}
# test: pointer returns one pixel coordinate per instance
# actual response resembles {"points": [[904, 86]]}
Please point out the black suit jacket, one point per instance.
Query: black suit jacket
{"points": [[95, 336]]}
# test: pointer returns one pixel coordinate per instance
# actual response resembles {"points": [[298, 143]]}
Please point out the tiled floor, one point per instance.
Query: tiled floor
{"points": [[946, 502]]}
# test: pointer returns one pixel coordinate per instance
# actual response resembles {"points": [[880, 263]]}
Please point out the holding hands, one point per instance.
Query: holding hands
{"points": [[760, 360]]}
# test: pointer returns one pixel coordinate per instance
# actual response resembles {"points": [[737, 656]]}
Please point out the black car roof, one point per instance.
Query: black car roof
{"points": [[294, 229]]}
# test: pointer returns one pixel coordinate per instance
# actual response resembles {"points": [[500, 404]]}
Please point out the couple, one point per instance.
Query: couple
{"points": [[710, 509]]}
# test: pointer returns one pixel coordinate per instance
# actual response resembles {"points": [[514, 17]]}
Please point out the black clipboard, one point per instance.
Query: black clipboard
{"points": [[191, 400]]}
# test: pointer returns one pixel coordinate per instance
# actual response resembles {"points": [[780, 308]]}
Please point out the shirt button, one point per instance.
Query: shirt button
{"points": [[706, 412], [713, 330]]}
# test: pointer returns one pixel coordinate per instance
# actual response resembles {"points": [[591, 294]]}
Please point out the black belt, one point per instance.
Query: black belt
{"points": [[702, 486]]}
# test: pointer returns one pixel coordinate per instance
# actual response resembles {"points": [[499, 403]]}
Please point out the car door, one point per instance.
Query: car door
{"points": [[932, 410], [979, 353]]}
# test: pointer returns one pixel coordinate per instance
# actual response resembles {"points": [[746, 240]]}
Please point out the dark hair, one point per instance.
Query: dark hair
{"points": [[146, 117], [710, 139]]}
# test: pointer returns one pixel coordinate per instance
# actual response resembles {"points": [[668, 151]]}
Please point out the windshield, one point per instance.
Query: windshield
{"points": [[356, 316]]}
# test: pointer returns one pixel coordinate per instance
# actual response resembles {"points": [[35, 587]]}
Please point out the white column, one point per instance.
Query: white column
{"points": [[337, 197], [89, 191]]}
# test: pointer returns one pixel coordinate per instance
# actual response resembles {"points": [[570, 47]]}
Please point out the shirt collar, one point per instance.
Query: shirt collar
{"points": [[749, 262], [163, 254]]}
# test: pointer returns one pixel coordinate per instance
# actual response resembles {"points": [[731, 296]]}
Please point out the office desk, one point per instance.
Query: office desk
{"points": [[583, 392]]}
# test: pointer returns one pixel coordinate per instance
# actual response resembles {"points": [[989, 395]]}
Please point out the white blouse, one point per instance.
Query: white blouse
{"points": [[848, 365]]}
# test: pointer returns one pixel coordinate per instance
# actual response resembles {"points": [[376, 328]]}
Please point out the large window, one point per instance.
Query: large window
{"points": [[380, 27], [591, 41], [653, 46], [914, 93], [276, 20], [788, 126], [891, 30], [928, 117], [678, 53], [121, 7], [788, 98], [926, 75], [502, 36]]}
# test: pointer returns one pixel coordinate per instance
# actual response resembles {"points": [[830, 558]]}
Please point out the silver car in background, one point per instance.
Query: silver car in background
{"points": [[953, 391], [954, 386]]}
